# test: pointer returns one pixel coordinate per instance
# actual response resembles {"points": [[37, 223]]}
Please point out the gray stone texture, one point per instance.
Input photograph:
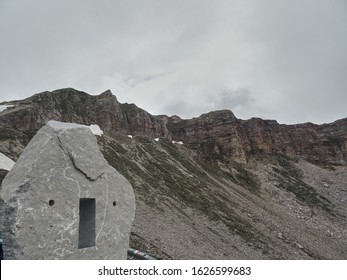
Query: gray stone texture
{"points": [[41, 196]]}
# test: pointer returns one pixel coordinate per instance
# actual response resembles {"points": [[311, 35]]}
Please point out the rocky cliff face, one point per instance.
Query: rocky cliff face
{"points": [[217, 134], [20, 122], [221, 134], [235, 189]]}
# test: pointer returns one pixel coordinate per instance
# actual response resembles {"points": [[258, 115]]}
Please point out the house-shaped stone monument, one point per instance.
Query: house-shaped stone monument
{"points": [[62, 200]]}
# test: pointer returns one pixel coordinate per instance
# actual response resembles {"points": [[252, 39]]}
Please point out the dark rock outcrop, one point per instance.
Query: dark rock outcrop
{"points": [[70, 105], [3, 173]]}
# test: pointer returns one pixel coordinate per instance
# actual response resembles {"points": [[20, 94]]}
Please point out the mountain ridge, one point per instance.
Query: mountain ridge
{"points": [[248, 136], [235, 189]]}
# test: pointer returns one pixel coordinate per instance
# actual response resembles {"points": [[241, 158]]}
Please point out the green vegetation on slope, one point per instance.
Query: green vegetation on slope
{"points": [[289, 178], [162, 170]]}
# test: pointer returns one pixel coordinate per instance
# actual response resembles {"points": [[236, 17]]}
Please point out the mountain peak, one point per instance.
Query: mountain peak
{"points": [[106, 94], [223, 115]]}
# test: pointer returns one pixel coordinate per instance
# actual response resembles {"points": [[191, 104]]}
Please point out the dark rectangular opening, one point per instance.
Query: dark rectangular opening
{"points": [[86, 232]]}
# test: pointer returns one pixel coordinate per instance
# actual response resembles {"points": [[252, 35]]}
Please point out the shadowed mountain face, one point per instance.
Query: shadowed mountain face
{"points": [[235, 189]]}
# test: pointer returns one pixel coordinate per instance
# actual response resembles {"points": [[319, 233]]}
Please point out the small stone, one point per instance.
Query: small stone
{"points": [[279, 235], [299, 246]]}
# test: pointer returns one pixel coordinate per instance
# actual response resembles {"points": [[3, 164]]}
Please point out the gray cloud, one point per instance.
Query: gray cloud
{"points": [[240, 100], [283, 60]]}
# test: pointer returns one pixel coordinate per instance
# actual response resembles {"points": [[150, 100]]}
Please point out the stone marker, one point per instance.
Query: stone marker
{"points": [[61, 200]]}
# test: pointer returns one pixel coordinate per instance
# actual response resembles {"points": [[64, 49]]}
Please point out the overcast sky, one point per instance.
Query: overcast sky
{"points": [[283, 60]]}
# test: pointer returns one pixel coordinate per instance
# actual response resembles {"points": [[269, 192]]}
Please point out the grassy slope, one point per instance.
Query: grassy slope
{"points": [[170, 177], [161, 169]]}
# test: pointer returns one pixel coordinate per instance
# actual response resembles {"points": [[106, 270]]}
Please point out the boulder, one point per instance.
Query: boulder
{"points": [[62, 200]]}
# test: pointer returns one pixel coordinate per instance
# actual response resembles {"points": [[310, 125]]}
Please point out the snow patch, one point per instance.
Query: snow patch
{"points": [[4, 107], [156, 139], [177, 142], [5, 162], [130, 136], [95, 129]]}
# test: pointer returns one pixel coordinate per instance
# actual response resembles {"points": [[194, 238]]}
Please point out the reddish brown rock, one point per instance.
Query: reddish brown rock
{"points": [[221, 133], [216, 135]]}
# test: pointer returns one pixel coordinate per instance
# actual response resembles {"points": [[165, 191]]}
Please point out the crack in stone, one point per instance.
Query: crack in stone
{"points": [[82, 171], [69, 153]]}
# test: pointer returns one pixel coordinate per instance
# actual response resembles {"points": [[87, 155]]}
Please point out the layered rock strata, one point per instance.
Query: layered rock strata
{"points": [[222, 136], [219, 134]]}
